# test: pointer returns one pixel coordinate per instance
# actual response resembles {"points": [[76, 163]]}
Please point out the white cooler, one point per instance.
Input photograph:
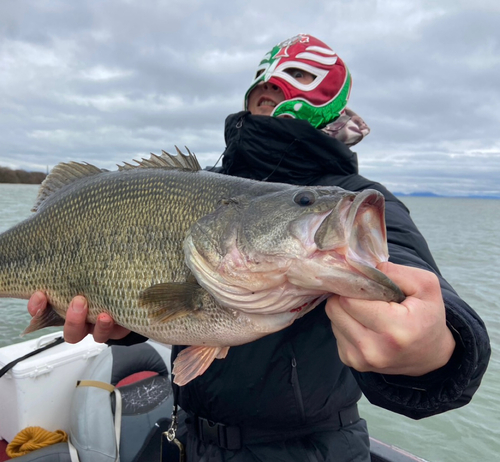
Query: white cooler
{"points": [[38, 390]]}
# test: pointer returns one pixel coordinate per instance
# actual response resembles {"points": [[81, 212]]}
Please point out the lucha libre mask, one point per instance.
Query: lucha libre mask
{"points": [[321, 101]]}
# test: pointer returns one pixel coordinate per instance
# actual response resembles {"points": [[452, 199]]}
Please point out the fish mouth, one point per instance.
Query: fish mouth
{"points": [[360, 238]]}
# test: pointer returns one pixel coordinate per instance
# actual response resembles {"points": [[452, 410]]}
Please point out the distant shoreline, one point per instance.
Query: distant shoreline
{"points": [[7, 175]]}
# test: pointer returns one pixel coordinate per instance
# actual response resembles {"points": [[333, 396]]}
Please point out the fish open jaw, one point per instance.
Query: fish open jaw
{"points": [[366, 228], [364, 243]]}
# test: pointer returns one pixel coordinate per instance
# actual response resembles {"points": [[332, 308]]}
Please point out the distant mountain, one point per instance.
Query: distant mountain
{"points": [[418, 194], [431, 194]]}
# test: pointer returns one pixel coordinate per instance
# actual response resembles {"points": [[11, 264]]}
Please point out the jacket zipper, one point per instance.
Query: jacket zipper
{"points": [[297, 392]]}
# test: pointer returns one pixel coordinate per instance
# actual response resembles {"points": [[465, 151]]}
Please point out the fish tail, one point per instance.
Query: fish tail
{"points": [[44, 318]]}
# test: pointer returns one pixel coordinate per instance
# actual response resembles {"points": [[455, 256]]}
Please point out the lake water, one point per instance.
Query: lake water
{"points": [[464, 236]]}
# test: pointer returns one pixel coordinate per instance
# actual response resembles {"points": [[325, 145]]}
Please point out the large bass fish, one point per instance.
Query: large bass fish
{"points": [[189, 257]]}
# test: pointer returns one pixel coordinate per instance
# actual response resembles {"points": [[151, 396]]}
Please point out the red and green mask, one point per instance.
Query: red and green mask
{"points": [[319, 102]]}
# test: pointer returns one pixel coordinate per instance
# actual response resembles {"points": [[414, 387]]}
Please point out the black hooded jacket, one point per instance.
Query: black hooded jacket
{"points": [[294, 378]]}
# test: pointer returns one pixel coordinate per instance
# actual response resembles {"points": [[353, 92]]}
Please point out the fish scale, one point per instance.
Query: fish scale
{"points": [[79, 232]]}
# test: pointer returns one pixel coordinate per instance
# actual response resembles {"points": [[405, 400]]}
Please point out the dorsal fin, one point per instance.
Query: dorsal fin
{"points": [[66, 173], [61, 175], [178, 162]]}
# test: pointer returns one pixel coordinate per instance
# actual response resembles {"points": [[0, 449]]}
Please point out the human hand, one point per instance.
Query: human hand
{"points": [[408, 338], [76, 327]]}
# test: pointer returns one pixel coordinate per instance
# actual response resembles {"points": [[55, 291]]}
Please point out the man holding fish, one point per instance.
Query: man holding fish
{"points": [[292, 395]]}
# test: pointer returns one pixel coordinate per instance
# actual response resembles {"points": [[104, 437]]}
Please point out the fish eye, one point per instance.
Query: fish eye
{"points": [[305, 198]]}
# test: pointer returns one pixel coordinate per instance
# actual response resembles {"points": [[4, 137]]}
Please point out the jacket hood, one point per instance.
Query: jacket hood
{"points": [[282, 150]]}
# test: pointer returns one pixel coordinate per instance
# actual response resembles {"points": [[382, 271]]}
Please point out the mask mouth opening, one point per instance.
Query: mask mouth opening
{"points": [[273, 82], [266, 101]]}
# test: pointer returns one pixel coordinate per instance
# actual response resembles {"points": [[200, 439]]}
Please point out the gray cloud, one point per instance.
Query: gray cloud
{"points": [[111, 81]]}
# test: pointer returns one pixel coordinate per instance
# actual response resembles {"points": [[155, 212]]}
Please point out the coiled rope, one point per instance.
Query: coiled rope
{"points": [[33, 438]]}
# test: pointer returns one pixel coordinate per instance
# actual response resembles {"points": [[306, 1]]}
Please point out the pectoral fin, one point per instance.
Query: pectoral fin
{"points": [[194, 361], [168, 301]]}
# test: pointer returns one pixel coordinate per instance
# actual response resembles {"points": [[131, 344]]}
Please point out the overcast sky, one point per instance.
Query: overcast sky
{"points": [[108, 81]]}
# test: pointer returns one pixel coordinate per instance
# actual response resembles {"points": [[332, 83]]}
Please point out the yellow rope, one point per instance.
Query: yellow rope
{"points": [[33, 438]]}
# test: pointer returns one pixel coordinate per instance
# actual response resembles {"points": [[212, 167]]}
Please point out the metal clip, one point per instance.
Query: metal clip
{"points": [[170, 434]]}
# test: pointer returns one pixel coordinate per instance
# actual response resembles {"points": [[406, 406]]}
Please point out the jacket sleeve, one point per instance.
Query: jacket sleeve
{"points": [[454, 384], [130, 339]]}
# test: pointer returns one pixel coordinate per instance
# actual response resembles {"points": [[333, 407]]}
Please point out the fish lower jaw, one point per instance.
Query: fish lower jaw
{"points": [[332, 273]]}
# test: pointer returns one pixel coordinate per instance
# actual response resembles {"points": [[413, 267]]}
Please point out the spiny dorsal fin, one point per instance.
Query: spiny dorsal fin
{"points": [[66, 173], [178, 162], [61, 175]]}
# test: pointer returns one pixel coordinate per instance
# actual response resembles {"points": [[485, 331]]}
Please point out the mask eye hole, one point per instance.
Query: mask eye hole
{"points": [[300, 75], [259, 73], [305, 198]]}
